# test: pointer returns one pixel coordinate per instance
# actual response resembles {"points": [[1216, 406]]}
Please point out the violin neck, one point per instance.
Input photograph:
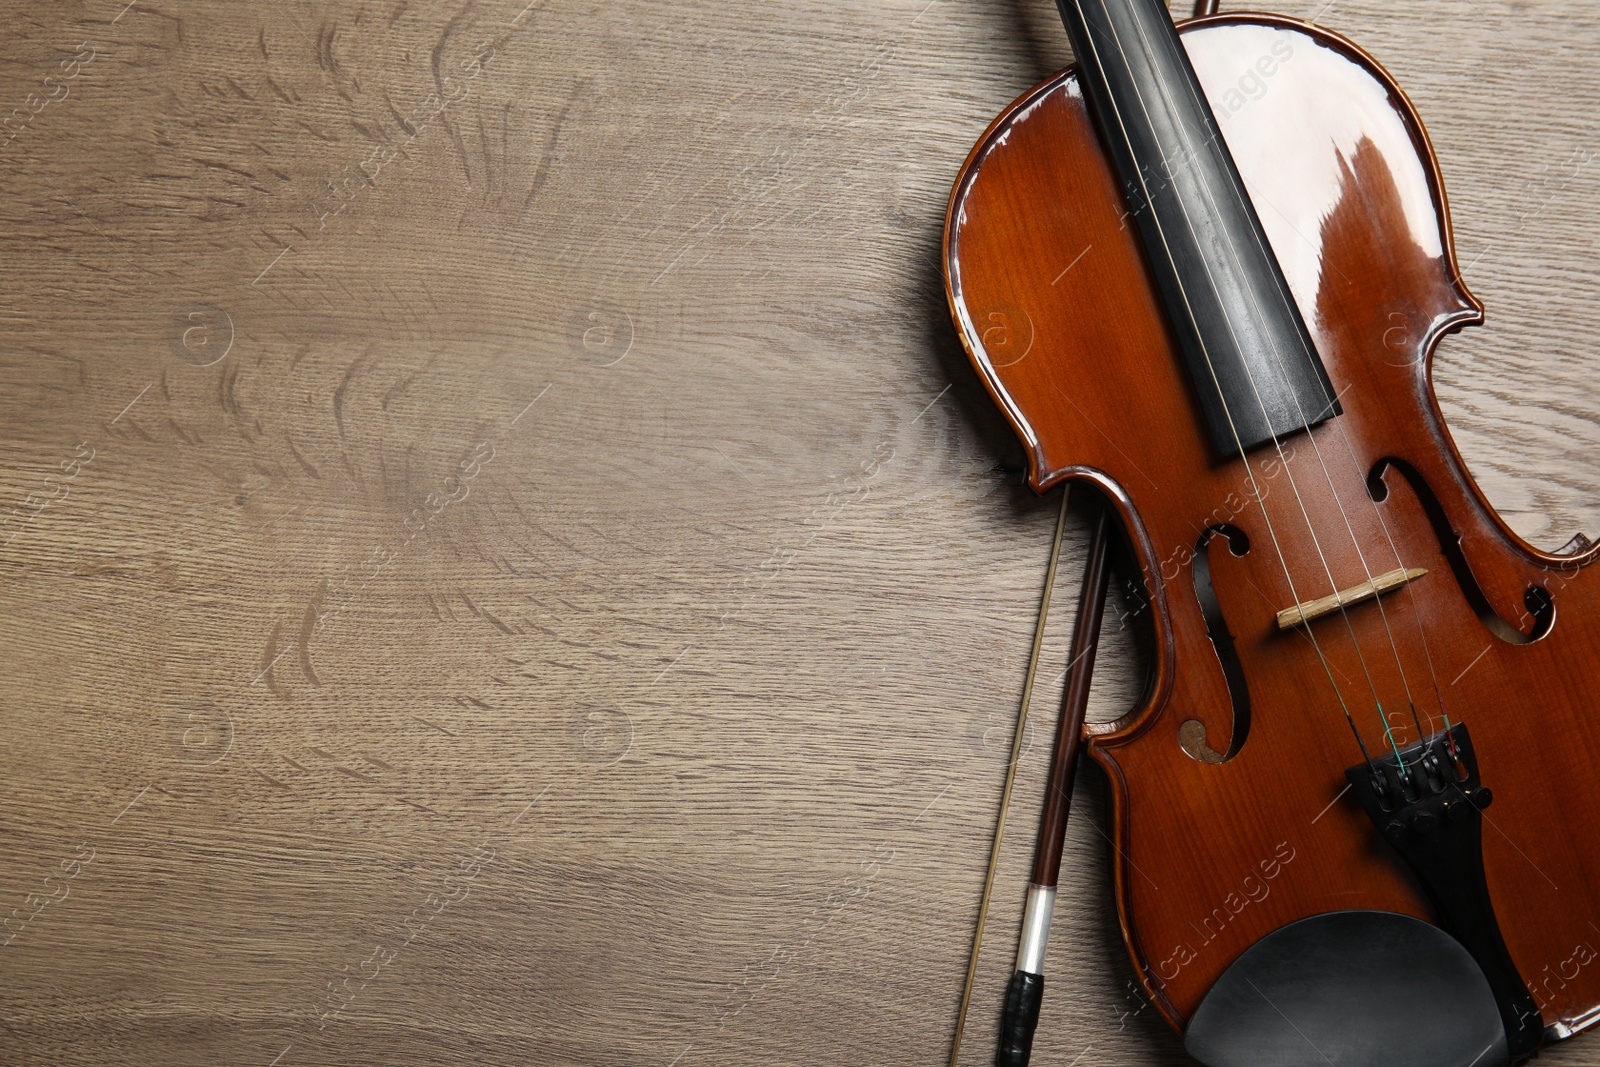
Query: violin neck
{"points": [[1246, 346]]}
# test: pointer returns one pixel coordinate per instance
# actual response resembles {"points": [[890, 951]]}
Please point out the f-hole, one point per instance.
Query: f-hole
{"points": [[1192, 734], [1540, 604]]}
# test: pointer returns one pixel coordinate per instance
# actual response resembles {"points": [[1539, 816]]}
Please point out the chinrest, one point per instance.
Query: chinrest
{"points": [[1350, 989]]}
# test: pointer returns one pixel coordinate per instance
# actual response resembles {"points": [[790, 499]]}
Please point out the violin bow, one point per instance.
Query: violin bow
{"points": [[1011, 775], [1023, 996]]}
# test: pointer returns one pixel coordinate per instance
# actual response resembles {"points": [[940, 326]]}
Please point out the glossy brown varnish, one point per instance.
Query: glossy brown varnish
{"points": [[1053, 303]]}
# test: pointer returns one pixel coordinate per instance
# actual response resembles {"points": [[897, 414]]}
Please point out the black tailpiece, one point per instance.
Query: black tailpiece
{"points": [[1428, 804]]}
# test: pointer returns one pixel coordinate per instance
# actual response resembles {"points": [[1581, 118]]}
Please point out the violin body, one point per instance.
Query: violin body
{"points": [[1230, 808]]}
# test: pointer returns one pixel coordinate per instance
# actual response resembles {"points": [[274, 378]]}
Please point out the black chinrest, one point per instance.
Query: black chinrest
{"points": [[1350, 989]]}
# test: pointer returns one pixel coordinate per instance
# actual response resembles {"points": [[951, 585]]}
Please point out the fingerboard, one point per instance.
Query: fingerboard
{"points": [[1253, 363]]}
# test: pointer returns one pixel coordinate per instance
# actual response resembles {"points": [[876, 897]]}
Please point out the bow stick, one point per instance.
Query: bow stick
{"points": [[1022, 1001], [1011, 776], [1027, 981]]}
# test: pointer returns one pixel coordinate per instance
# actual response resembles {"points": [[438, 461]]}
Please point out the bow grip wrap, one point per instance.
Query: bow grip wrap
{"points": [[1020, 1019]]}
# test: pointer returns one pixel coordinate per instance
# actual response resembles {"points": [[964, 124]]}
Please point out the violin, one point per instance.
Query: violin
{"points": [[1355, 817]]}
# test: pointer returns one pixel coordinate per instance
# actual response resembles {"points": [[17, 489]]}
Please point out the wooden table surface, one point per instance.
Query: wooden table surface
{"points": [[505, 562]]}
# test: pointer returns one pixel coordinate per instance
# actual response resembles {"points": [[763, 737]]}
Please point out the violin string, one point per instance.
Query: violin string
{"points": [[1094, 55], [1277, 445], [1355, 465], [1277, 355], [1411, 597], [1281, 285], [1327, 475], [1261, 404]]}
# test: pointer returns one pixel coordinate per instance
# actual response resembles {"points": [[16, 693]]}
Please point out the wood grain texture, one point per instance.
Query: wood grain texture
{"points": [[745, 609]]}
